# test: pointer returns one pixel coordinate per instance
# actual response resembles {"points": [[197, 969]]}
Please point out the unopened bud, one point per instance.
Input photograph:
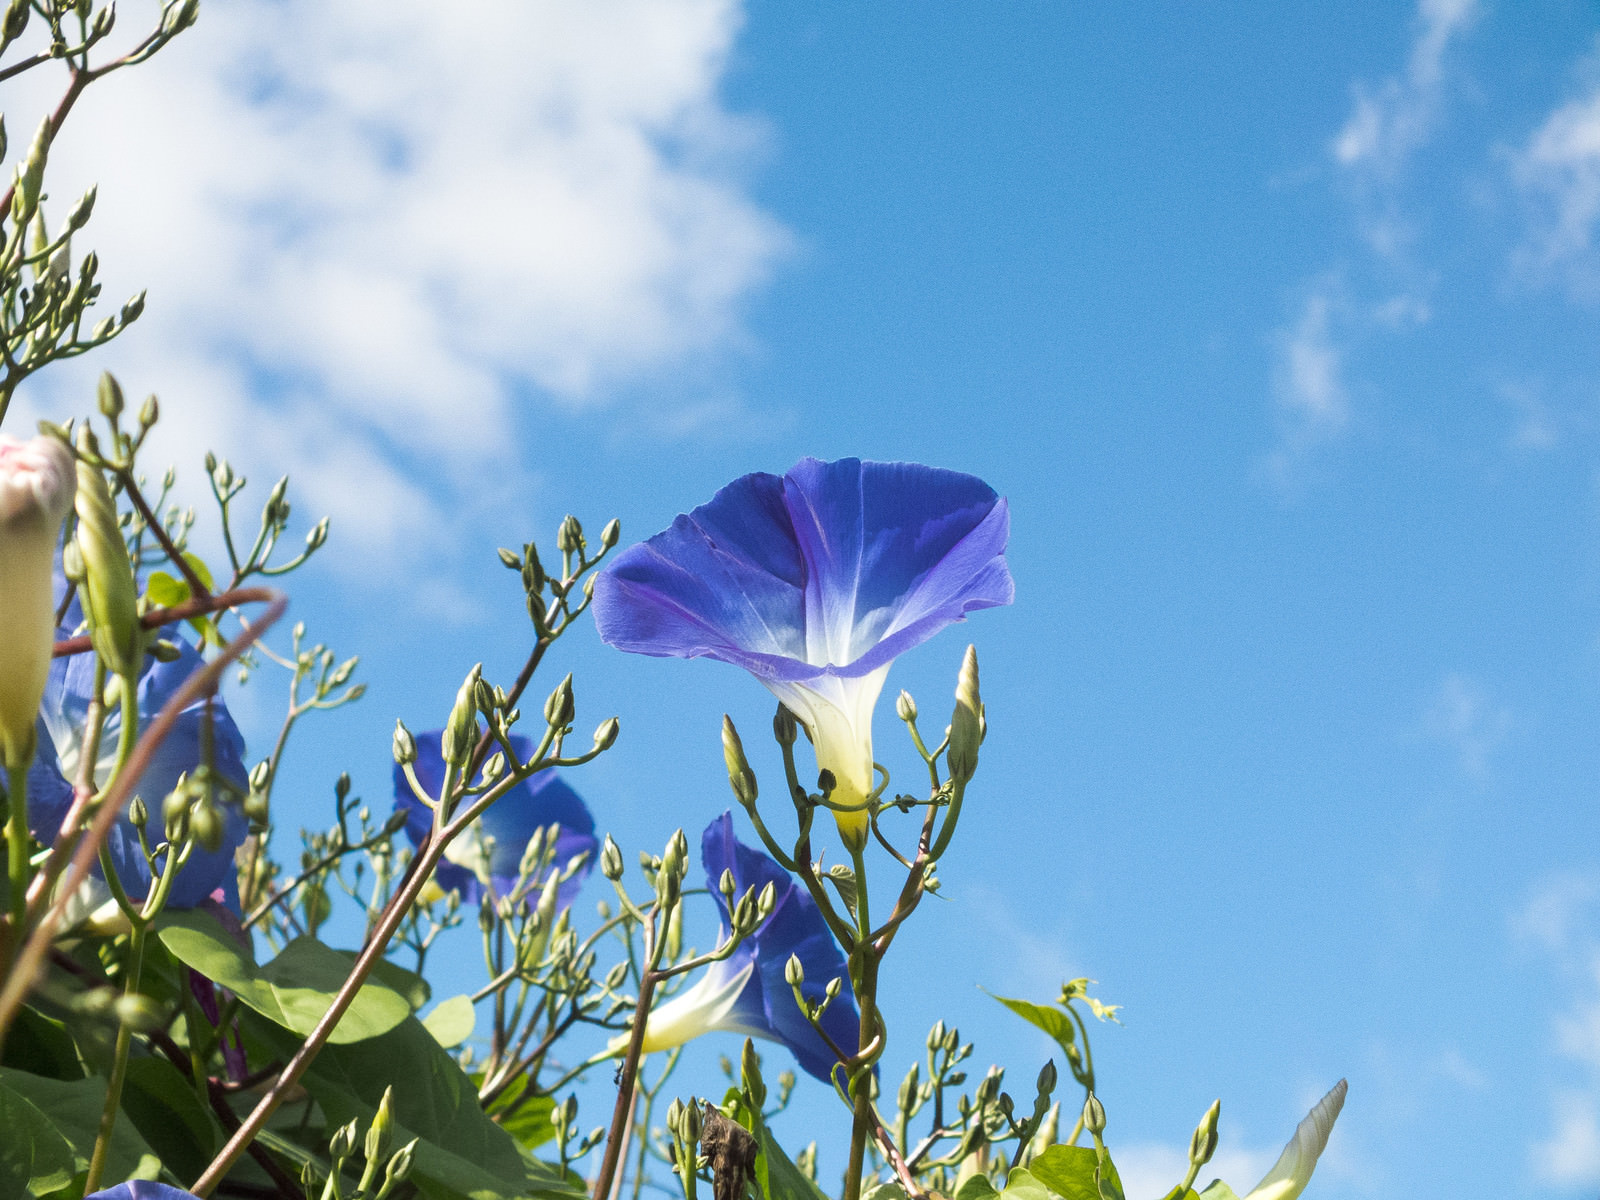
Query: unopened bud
{"points": [[110, 595], [1203, 1143], [766, 901], [610, 534], [1094, 1115], [109, 396], [610, 859], [936, 1036], [400, 1165], [966, 732], [784, 726], [794, 971], [379, 1131], [343, 1143], [750, 1075], [1047, 1078], [560, 708], [570, 536], [606, 736], [740, 776], [138, 813], [905, 707], [405, 746], [150, 410], [461, 731]]}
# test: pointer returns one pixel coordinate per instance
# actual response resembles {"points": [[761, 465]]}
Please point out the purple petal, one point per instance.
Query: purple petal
{"points": [[833, 570]]}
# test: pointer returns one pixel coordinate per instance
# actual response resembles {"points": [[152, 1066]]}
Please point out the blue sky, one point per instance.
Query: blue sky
{"points": [[1275, 323]]}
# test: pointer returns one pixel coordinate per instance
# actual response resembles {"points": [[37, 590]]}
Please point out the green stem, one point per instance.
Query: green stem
{"points": [[18, 841], [119, 1067]]}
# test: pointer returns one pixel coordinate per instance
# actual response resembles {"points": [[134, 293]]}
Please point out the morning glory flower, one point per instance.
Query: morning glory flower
{"points": [[747, 992], [36, 489], [814, 582], [503, 831], [62, 715], [142, 1189], [1292, 1171]]}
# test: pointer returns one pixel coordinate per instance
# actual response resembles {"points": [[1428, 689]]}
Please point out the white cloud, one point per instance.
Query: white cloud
{"points": [[1390, 122], [373, 230], [1558, 172], [1464, 716], [1313, 403], [1558, 919], [1152, 1169]]}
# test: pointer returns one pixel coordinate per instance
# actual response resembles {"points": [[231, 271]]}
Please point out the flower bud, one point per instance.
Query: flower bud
{"points": [[1203, 1142], [794, 971], [205, 825], [740, 776], [1094, 1115], [905, 707], [965, 729], [750, 1075], [343, 1143], [110, 595], [399, 1166], [936, 1036], [1047, 1078], [15, 21], [379, 1132], [36, 486], [109, 393], [560, 708], [766, 901], [570, 536], [149, 411], [611, 860], [405, 746], [138, 812], [606, 736], [461, 731], [784, 726], [610, 534]]}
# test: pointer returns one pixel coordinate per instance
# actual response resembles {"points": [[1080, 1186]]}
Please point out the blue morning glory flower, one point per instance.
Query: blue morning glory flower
{"points": [[142, 1189], [546, 799], [814, 582], [62, 715], [747, 992]]}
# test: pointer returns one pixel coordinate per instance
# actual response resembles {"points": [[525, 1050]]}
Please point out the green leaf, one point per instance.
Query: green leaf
{"points": [[462, 1154], [885, 1191], [451, 1021], [976, 1188], [295, 989], [164, 1108], [1179, 1192], [41, 1045], [201, 571], [785, 1181], [74, 1110], [34, 1158], [1217, 1190], [1069, 1172], [1021, 1184], [164, 591], [1053, 1021], [548, 1180], [527, 1120]]}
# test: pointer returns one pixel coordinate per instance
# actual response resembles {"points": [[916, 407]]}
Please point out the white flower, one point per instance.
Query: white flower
{"points": [[1291, 1173], [36, 489]]}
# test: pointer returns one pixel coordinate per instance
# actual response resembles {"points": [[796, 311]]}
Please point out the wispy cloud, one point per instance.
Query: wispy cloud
{"points": [[373, 231], [1558, 173], [1152, 1169], [1558, 918], [1465, 717], [1388, 123]]}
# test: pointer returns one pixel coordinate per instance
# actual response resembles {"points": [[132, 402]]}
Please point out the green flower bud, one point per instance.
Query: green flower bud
{"points": [[905, 707], [150, 410], [750, 1075], [131, 312], [794, 971], [1047, 1078], [1094, 1115], [965, 730], [610, 860], [405, 746], [1203, 1142], [379, 1132], [205, 825], [740, 776], [110, 595], [461, 731], [784, 726], [138, 813], [611, 533], [569, 537], [400, 1165], [606, 736], [16, 20], [935, 1036], [343, 1142], [560, 708]]}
